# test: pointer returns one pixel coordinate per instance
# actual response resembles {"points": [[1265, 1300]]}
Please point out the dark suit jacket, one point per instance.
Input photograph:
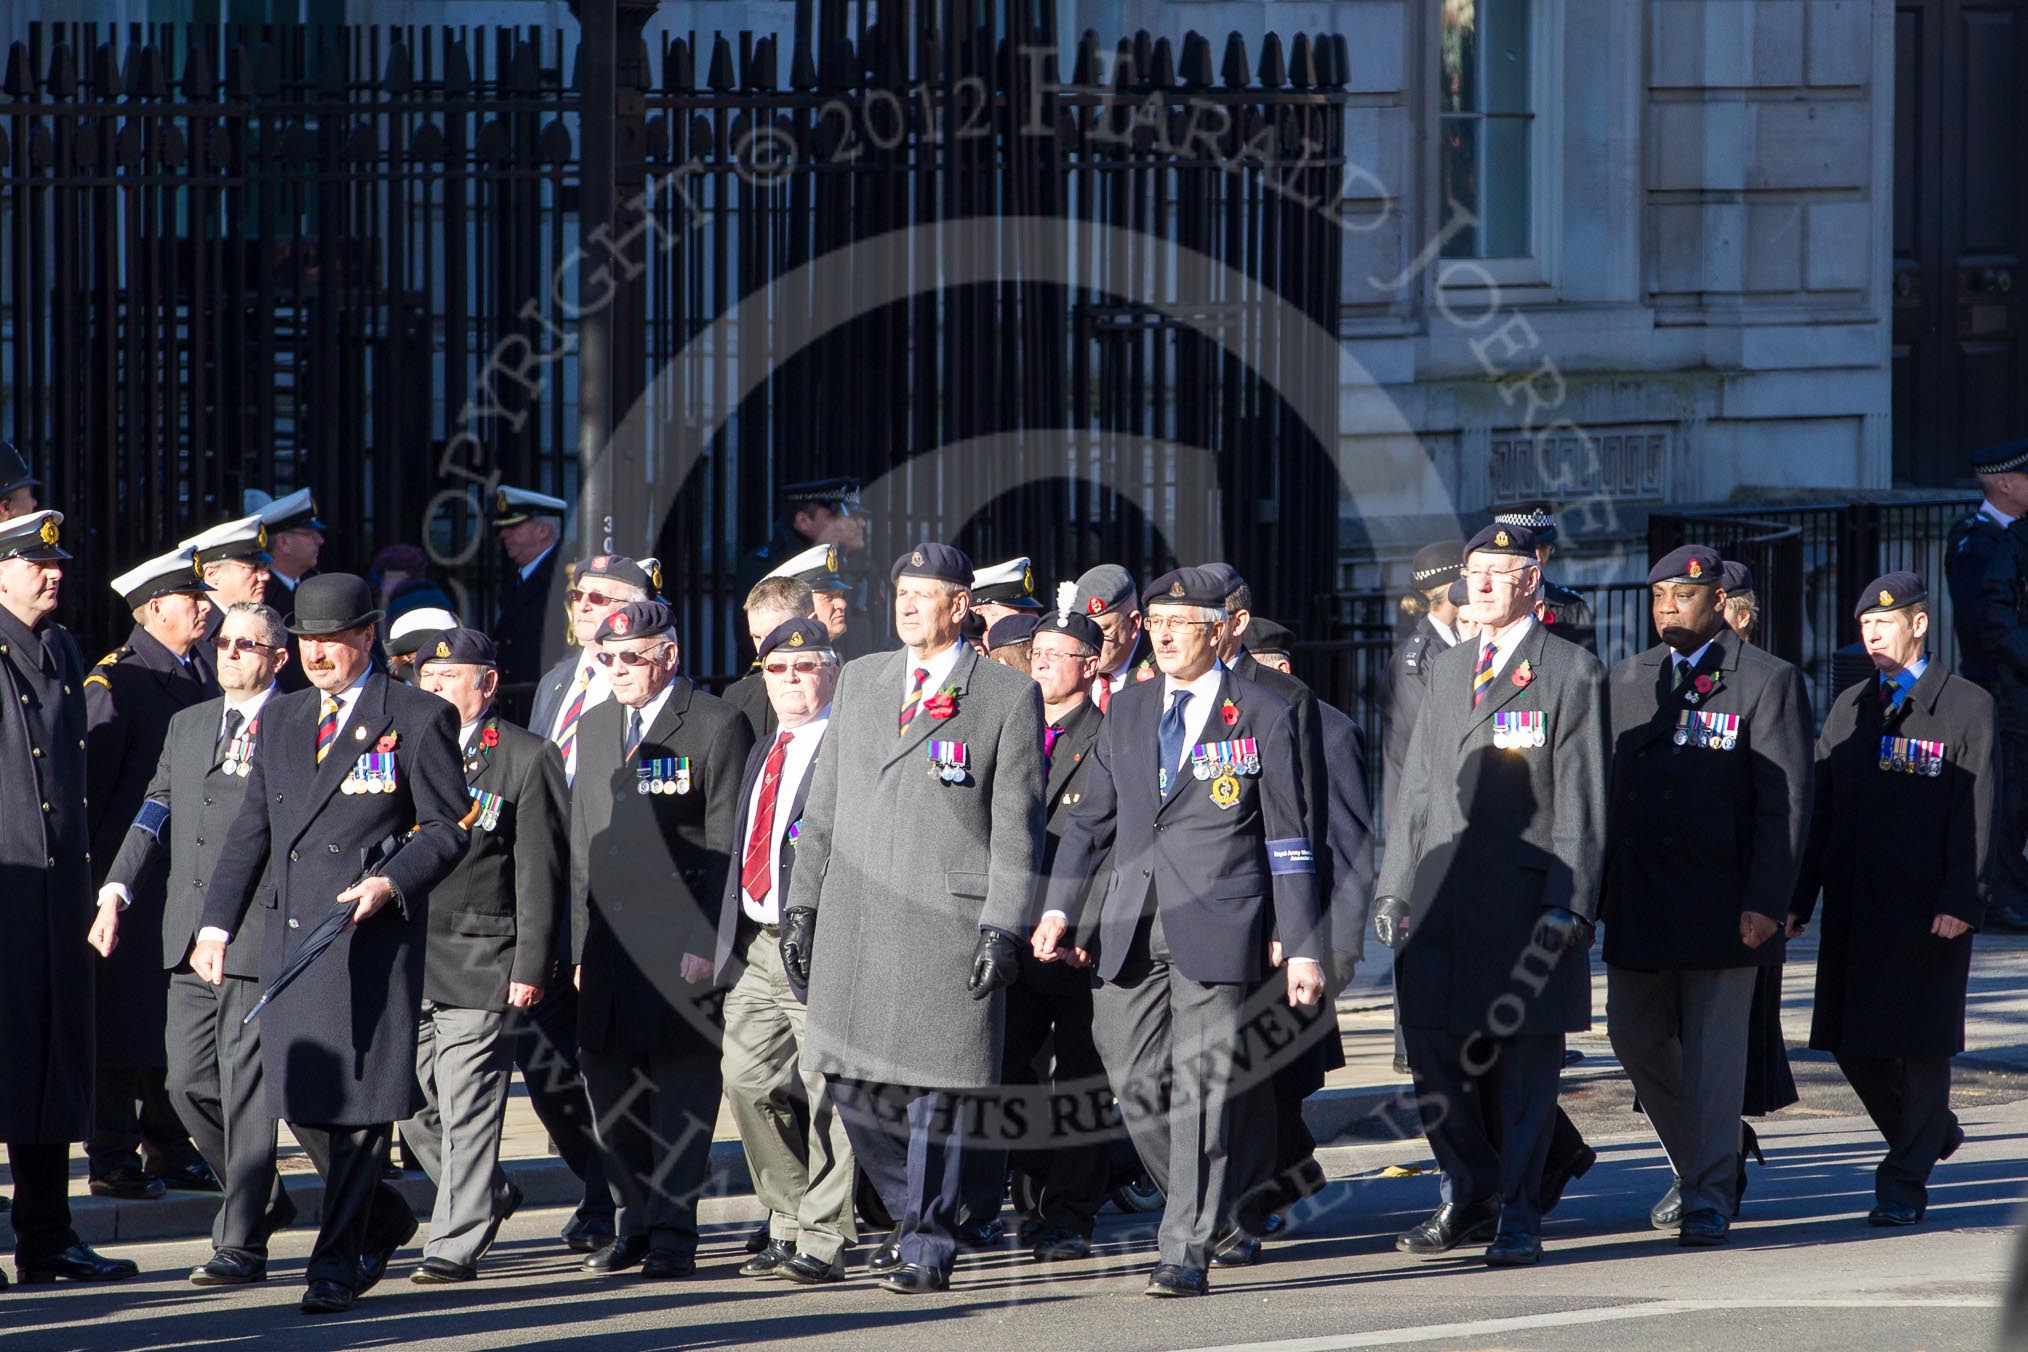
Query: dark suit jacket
{"points": [[1402, 688], [338, 1047], [1349, 832], [525, 615], [203, 802], [749, 695], [729, 909], [1695, 835], [647, 871], [282, 597], [1310, 757], [497, 916], [1223, 879], [1064, 788]]}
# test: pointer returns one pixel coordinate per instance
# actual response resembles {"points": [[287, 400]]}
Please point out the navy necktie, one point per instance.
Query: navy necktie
{"points": [[1171, 738]]}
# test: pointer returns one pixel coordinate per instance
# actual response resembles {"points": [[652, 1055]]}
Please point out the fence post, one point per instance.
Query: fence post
{"points": [[1858, 562]]}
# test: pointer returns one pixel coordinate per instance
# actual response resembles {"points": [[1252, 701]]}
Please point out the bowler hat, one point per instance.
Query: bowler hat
{"points": [[331, 603]]}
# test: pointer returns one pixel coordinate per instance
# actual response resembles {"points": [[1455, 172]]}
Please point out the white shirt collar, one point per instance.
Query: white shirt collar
{"points": [[1987, 509], [1503, 647], [1204, 687], [939, 667], [1448, 633], [1693, 659], [278, 575], [251, 707], [465, 731], [652, 710]]}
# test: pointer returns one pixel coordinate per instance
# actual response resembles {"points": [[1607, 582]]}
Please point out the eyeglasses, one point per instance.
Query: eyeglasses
{"points": [[1171, 624], [1049, 657], [576, 597], [632, 659], [802, 666], [1476, 575], [239, 645]]}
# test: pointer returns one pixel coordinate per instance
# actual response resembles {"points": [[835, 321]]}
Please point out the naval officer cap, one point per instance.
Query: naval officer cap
{"points": [[297, 511], [171, 574], [1011, 629], [1265, 636], [1006, 584], [1891, 591], [33, 537], [2008, 457], [840, 493], [1737, 578], [1436, 565], [637, 619], [800, 635], [1071, 620], [245, 539], [816, 566], [463, 646], [943, 563], [1502, 537], [1188, 587], [1105, 590], [512, 506], [1538, 518], [1699, 564], [644, 574], [408, 632]]}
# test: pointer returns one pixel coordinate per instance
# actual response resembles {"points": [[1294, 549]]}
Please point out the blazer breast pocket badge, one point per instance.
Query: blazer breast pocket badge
{"points": [[1517, 729], [371, 773], [1711, 732], [664, 775], [489, 805], [1912, 756], [948, 761]]}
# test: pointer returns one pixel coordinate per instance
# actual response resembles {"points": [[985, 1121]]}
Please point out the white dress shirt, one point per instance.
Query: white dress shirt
{"points": [[650, 711], [1203, 698], [939, 667], [1504, 645], [596, 692], [796, 760]]}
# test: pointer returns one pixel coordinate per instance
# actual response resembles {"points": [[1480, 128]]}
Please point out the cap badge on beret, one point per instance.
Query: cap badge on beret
{"points": [[1176, 588], [443, 648], [1696, 568], [599, 561], [1886, 597], [915, 560], [796, 639], [619, 623], [1501, 540], [1095, 606], [49, 533]]}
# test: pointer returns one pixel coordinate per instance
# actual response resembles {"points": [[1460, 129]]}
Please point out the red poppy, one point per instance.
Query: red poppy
{"points": [[942, 704], [387, 743], [1705, 685], [1523, 674], [1229, 712], [490, 737]]}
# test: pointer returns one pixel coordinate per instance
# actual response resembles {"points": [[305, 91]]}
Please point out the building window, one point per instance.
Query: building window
{"points": [[1486, 127]]}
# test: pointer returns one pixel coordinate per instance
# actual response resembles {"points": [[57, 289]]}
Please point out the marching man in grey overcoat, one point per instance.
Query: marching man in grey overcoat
{"points": [[914, 871], [1488, 894]]}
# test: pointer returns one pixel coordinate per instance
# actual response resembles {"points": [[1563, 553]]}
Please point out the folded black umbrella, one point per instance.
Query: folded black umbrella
{"points": [[327, 929]]}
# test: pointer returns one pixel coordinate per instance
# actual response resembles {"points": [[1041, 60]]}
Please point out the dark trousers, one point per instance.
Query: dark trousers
{"points": [[655, 1115], [545, 1048], [135, 1124], [361, 1211], [215, 1083], [1909, 1099], [1051, 1004], [911, 1146], [41, 1212], [2010, 825], [1488, 1108]]}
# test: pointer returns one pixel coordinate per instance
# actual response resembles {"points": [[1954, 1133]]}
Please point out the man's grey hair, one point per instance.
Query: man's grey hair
{"points": [[789, 594], [269, 621], [1207, 614]]}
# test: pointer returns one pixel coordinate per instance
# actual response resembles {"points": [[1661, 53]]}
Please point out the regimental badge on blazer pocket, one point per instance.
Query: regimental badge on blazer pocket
{"points": [[1519, 729], [1913, 756], [1707, 731]]}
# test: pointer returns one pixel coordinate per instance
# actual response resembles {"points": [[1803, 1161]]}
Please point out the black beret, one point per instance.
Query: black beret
{"points": [[620, 568], [637, 619], [2005, 458], [1434, 565], [1700, 564], [1225, 576], [459, 645], [1011, 629], [1503, 539], [1738, 578], [1891, 592], [802, 634], [1077, 626], [1265, 636], [1459, 593], [1188, 587], [945, 563]]}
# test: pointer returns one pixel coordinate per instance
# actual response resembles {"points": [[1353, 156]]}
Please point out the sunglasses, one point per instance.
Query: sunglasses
{"points": [[632, 659], [240, 645], [804, 666], [576, 597]]}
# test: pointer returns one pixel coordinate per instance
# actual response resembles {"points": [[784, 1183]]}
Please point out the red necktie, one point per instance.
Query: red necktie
{"points": [[1105, 693], [755, 877], [914, 700]]}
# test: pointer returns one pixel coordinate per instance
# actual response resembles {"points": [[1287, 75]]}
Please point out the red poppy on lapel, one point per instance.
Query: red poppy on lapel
{"points": [[490, 738], [1545, 614], [942, 704], [1705, 685], [1523, 674], [1229, 712], [388, 742]]}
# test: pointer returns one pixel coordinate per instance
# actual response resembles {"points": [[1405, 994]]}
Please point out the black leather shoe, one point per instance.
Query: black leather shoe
{"points": [[129, 1185], [78, 1263], [768, 1262], [1703, 1229], [887, 1257], [373, 1262], [443, 1272], [618, 1256], [808, 1270], [1667, 1213], [1059, 1244], [1243, 1252], [1739, 1187], [760, 1238], [227, 1268], [1562, 1173], [195, 1176], [663, 1265], [1512, 1249], [325, 1297], [1951, 1143], [1451, 1226], [1893, 1215], [980, 1234], [1173, 1279], [913, 1279], [580, 1238]]}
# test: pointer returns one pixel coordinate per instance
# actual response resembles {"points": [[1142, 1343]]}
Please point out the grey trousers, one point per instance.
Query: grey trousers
{"points": [[1682, 1038], [215, 1083], [796, 1148], [464, 1061], [1168, 1045]]}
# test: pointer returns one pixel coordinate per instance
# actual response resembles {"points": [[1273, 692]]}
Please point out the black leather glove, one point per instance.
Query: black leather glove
{"points": [[1560, 928], [1390, 921], [1341, 969], [799, 929], [996, 964]]}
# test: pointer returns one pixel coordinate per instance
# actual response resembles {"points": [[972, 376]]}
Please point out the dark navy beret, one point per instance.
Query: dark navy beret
{"points": [[1188, 587], [1891, 591], [637, 619], [1265, 636], [1738, 578], [620, 568], [1009, 629], [801, 634], [1700, 564], [944, 563], [1500, 538], [458, 645]]}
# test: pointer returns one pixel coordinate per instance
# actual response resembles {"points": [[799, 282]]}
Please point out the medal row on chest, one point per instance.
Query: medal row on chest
{"points": [[373, 772], [1912, 756], [663, 775], [1713, 732]]}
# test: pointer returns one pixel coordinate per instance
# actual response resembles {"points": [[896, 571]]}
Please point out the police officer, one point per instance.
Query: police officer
{"points": [[1986, 569], [295, 539], [823, 512], [492, 933], [1900, 846], [529, 526], [214, 1054], [46, 969], [1430, 575], [17, 483], [1108, 595], [773, 602], [232, 558], [1711, 786], [1556, 606], [1003, 589], [130, 697], [1488, 896]]}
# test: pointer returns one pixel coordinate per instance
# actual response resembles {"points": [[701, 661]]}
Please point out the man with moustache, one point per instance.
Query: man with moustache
{"points": [[295, 539], [773, 602], [651, 831], [140, 1146], [46, 968], [796, 1146], [358, 760], [184, 825]]}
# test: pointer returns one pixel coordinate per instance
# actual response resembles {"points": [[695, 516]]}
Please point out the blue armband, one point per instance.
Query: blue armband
{"points": [[152, 818], [1291, 856]]}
